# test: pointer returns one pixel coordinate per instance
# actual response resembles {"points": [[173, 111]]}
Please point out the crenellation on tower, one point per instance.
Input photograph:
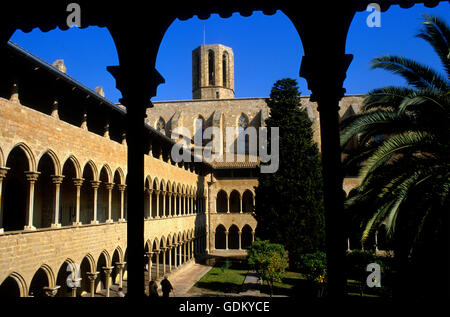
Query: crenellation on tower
{"points": [[212, 72]]}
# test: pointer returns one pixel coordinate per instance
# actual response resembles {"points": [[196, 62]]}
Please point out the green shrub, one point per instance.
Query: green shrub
{"points": [[269, 261]]}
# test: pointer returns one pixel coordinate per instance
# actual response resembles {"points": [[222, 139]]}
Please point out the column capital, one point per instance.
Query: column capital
{"points": [[312, 68], [51, 291], [108, 269], [32, 176], [121, 187], [78, 181], [3, 172], [109, 186], [95, 184], [149, 254], [92, 275], [57, 179]]}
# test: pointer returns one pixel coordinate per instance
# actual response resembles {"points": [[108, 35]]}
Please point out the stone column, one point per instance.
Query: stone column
{"points": [[95, 186], [226, 239], [157, 263], [164, 260], [150, 205], [51, 291], [170, 258], [240, 239], [31, 178], [175, 254], [240, 204], [149, 264], [164, 204], [253, 236], [109, 187], [192, 248], [157, 204], [92, 276], [180, 254], [185, 251], [228, 205], [107, 270], [121, 188], [3, 171], [120, 266], [169, 194], [57, 180], [77, 182]]}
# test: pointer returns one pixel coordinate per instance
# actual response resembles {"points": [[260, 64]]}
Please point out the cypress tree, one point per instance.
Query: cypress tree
{"points": [[289, 202]]}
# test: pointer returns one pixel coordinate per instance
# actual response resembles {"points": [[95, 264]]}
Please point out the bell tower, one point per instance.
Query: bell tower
{"points": [[212, 72]]}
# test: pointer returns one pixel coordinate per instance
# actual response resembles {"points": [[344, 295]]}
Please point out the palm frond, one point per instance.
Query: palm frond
{"points": [[366, 121], [397, 144], [386, 98], [437, 33], [416, 74]]}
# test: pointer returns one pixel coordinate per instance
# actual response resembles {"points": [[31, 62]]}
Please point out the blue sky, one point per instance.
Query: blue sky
{"points": [[266, 48]]}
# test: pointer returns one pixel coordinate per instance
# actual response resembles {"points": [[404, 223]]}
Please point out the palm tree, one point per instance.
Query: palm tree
{"points": [[403, 151]]}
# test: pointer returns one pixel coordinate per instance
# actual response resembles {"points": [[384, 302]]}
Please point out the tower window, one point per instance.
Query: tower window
{"points": [[211, 74], [224, 69], [197, 71]]}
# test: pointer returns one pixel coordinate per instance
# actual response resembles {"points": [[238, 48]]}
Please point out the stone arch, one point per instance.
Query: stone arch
{"points": [[43, 277], [162, 242], [121, 176], [68, 267], [156, 183], [116, 258], [222, 201], [16, 188], [68, 193], [90, 164], [220, 237], [233, 237], [248, 201], [246, 236], [72, 159], [44, 191], [235, 201], [87, 266], [108, 172], [29, 155], [13, 285], [55, 160], [116, 195], [87, 192], [103, 261]]}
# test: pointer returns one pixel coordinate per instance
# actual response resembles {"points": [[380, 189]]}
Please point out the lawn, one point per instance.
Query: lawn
{"points": [[288, 287], [226, 276]]}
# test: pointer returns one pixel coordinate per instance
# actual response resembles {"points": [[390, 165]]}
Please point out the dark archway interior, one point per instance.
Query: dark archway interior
{"points": [[15, 191], [9, 288], [220, 237]]}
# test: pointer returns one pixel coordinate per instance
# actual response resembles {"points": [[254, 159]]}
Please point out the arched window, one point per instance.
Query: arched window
{"points": [[199, 128], [225, 69], [161, 125], [211, 74], [197, 71], [242, 126]]}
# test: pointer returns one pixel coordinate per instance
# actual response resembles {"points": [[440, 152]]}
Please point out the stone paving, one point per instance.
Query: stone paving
{"points": [[186, 276]]}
